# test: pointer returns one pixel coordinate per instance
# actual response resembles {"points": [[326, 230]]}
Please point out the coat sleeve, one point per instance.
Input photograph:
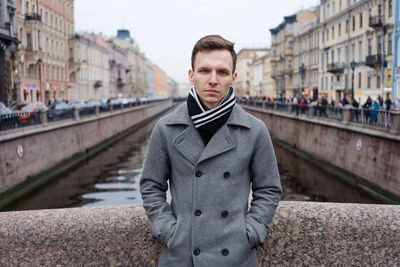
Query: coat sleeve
{"points": [[153, 187], [266, 187]]}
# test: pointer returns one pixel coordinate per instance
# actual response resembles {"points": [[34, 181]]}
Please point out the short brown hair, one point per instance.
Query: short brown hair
{"points": [[214, 42]]}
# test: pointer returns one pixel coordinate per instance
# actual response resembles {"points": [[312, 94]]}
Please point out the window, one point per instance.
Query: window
{"points": [[390, 8], [390, 40], [353, 51], [333, 56], [41, 13], [333, 32], [340, 5], [360, 51], [339, 54], [379, 10], [38, 37], [339, 29], [361, 20], [21, 7], [29, 40], [327, 35], [333, 8], [369, 47], [328, 11], [380, 45], [27, 7], [378, 81], [347, 25], [359, 80], [369, 82], [354, 22], [21, 36], [51, 20]]}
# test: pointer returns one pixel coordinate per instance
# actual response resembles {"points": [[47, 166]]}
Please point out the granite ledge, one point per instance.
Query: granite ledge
{"points": [[302, 233]]}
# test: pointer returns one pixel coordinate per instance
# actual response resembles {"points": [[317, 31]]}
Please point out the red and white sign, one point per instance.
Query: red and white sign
{"points": [[20, 151]]}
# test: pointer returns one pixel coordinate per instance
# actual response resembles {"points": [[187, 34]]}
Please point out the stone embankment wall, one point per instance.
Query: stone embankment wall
{"points": [[367, 158], [51, 148], [302, 234]]}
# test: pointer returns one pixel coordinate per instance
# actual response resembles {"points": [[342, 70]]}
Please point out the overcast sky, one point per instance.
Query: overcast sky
{"points": [[166, 30]]}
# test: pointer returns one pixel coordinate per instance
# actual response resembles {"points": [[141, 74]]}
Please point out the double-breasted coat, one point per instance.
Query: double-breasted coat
{"points": [[208, 221]]}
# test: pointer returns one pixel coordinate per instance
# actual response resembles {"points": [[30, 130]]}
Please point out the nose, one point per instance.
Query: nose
{"points": [[213, 78]]}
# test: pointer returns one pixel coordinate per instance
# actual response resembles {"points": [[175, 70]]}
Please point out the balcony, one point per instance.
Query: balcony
{"points": [[274, 59], [289, 52], [288, 72], [98, 84], [33, 17], [375, 22], [33, 56], [74, 65], [120, 83], [374, 61], [335, 67]]}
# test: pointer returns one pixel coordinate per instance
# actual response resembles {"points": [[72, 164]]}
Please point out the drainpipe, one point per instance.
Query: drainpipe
{"points": [[396, 70]]}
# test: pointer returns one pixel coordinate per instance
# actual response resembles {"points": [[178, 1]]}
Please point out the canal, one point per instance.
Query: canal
{"points": [[112, 178]]}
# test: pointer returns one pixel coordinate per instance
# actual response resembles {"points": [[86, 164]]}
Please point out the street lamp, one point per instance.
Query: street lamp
{"points": [[353, 65]]}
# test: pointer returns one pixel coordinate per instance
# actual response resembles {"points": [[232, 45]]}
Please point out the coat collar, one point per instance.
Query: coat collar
{"points": [[181, 116], [189, 142]]}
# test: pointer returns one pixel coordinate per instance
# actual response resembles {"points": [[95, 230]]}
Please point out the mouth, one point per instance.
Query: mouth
{"points": [[211, 91]]}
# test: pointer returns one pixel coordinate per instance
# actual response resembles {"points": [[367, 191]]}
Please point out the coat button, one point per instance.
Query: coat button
{"points": [[197, 212], [196, 252], [225, 252], [199, 174], [227, 175], [224, 213]]}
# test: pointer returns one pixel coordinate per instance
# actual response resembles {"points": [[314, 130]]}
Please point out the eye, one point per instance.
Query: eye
{"points": [[204, 71], [222, 72]]}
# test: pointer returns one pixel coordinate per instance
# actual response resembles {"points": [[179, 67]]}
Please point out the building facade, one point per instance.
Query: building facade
{"points": [[118, 70], [356, 48], [282, 46], [306, 61], [161, 88], [136, 81], [245, 59], [150, 80], [93, 75], [44, 28], [9, 81]]}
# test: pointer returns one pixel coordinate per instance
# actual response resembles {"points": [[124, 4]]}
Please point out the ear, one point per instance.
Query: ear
{"points": [[234, 76], [190, 73]]}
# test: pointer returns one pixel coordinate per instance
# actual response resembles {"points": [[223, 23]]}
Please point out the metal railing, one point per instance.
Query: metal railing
{"points": [[370, 117], [380, 118], [17, 120]]}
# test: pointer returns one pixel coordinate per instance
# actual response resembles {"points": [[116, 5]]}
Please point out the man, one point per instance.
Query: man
{"points": [[211, 151]]}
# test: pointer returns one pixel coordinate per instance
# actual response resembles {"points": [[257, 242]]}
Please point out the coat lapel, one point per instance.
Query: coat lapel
{"points": [[189, 142], [221, 142]]}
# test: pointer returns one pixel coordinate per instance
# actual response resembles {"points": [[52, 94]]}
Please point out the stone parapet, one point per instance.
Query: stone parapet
{"points": [[302, 234]]}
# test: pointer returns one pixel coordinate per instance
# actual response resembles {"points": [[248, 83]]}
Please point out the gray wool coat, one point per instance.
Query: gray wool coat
{"points": [[208, 222]]}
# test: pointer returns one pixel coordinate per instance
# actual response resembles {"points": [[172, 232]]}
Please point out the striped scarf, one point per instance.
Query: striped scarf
{"points": [[208, 121]]}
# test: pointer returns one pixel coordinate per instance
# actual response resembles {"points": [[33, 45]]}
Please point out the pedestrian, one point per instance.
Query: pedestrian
{"points": [[374, 107], [388, 103], [210, 151], [355, 105]]}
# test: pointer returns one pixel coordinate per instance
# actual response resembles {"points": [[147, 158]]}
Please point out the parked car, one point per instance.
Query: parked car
{"points": [[29, 112], [5, 110], [58, 110]]}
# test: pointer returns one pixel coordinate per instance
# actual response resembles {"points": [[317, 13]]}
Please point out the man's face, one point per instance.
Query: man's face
{"points": [[212, 75]]}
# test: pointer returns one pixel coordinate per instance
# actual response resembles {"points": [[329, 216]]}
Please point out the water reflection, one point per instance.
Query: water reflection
{"points": [[112, 178], [109, 178]]}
